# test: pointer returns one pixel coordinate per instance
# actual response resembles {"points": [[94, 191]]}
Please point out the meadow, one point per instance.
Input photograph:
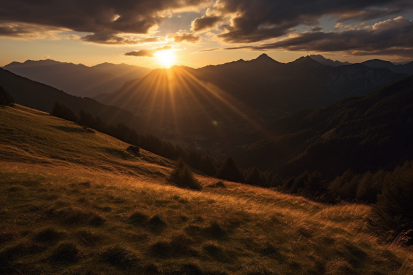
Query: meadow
{"points": [[74, 201]]}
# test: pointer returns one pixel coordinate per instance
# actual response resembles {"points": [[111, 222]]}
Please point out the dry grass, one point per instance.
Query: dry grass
{"points": [[93, 211]]}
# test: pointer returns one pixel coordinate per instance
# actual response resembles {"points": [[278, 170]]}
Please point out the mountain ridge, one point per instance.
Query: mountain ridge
{"points": [[78, 79]]}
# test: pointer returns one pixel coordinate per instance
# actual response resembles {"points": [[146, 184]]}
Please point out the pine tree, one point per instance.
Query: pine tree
{"points": [[394, 209], [229, 170], [254, 176], [5, 98], [314, 184], [365, 191], [208, 166], [85, 119], [64, 112]]}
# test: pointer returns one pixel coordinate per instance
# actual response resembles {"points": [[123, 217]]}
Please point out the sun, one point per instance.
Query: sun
{"points": [[166, 58]]}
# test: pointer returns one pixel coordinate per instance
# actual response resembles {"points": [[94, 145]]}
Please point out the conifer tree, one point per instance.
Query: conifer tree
{"points": [[85, 119], [62, 111], [314, 183], [5, 98], [253, 176], [229, 170], [394, 209], [208, 166]]}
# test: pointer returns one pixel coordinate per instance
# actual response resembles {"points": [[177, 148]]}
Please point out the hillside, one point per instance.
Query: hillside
{"points": [[42, 97], [362, 133], [78, 79], [242, 97], [75, 202]]}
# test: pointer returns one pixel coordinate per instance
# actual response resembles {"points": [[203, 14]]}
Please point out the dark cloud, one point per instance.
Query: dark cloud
{"points": [[107, 20], [205, 22], [147, 53], [253, 21], [19, 30], [184, 37], [390, 37], [113, 39]]}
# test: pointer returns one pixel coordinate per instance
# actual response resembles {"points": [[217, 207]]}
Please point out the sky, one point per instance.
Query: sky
{"points": [[197, 33]]}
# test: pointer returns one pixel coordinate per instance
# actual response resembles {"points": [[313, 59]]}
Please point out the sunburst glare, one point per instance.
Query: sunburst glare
{"points": [[166, 58]]}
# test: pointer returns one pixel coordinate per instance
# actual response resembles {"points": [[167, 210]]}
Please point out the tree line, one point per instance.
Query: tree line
{"points": [[195, 158]]}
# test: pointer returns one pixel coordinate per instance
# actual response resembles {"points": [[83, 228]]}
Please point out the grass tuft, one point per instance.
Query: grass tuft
{"points": [[138, 218], [65, 252], [156, 224], [215, 231], [179, 246], [88, 237], [119, 257], [49, 234]]}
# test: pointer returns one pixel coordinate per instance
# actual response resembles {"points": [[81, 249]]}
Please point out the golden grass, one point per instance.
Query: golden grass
{"points": [[62, 214]]}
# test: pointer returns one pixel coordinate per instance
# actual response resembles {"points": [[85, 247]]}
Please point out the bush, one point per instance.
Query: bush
{"points": [[134, 150], [138, 218], [65, 252], [119, 256], [48, 235], [182, 177], [5, 98]]}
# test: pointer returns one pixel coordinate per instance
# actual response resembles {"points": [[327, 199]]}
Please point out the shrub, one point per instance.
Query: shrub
{"points": [[5, 98], [138, 218], [182, 177], [65, 252], [119, 256], [134, 150], [179, 245], [156, 224], [48, 235]]}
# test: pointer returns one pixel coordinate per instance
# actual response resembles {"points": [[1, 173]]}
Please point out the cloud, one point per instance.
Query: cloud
{"points": [[205, 22], [27, 31], [260, 20], [147, 53], [114, 39], [184, 37], [46, 57], [210, 50], [390, 37], [105, 20]]}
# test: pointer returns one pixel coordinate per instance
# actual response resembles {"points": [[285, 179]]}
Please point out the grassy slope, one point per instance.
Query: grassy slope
{"points": [[74, 202]]}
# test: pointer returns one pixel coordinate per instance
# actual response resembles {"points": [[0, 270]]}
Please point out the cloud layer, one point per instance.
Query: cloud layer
{"points": [[259, 20], [390, 37], [147, 53], [106, 20]]}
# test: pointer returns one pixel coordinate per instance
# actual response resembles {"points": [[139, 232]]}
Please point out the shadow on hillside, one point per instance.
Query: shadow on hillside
{"points": [[70, 129]]}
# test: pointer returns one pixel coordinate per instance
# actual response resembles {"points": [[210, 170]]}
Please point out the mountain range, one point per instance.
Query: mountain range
{"points": [[78, 79], [238, 101], [368, 133], [42, 97]]}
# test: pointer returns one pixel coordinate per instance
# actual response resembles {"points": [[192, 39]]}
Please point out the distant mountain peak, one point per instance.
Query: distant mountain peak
{"points": [[264, 58], [325, 61]]}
